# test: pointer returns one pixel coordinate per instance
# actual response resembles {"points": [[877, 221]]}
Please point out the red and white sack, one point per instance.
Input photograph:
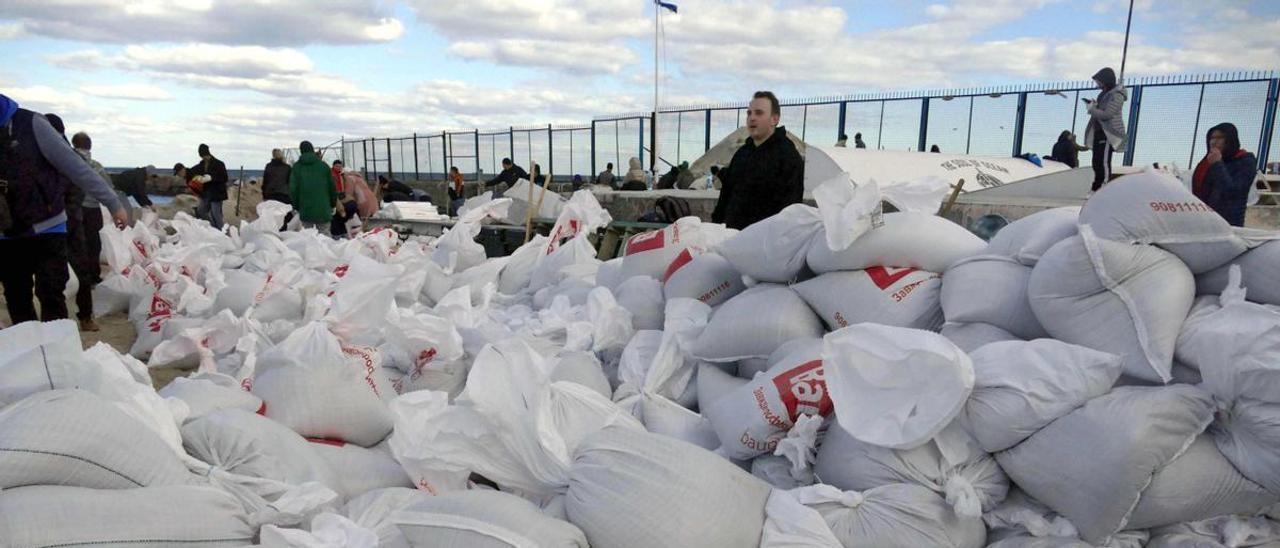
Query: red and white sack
{"points": [[993, 290], [1123, 299], [155, 321], [649, 253], [424, 339], [906, 239], [752, 419], [310, 384], [205, 393], [1258, 268], [773, 249], [1157, 209], [358, 469], [972, 336], [901, 297], [251, 445], [707, 277], [739, 329], [1026, 239]]}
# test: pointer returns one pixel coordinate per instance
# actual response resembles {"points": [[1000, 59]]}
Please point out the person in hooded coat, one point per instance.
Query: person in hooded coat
{"points": [[1066, 150], [311, 188], [1105, 134], [1221, 180]]}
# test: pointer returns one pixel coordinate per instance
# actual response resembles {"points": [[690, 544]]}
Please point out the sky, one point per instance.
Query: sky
{"points": [[151, 79]]}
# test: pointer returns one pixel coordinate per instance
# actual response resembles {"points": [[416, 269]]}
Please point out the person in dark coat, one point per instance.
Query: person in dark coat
{"points": [[133, 182], [509, 175], [275, 178], [1105, 133], [394, 191], [214, 192], [766, 174], [857, 141], [1066, 150], [1223, 177]]}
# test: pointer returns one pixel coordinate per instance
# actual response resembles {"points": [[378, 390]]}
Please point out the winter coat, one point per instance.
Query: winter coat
{"points": [[1066, 151], [275, 180], [510, 176], [311, 189], [1106, 113], [1224, 186], [216, 189], [760, 181]]}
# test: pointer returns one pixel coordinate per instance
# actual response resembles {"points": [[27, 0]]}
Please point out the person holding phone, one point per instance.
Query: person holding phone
{"points": [[1105, 133]]}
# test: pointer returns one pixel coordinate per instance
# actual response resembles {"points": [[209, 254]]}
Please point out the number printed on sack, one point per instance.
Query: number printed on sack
{"points": [[1180, 207], [803, 390]]}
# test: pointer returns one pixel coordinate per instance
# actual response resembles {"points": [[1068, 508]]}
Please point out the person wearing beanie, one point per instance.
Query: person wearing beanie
{"points": [[311, 189], [1105, 134], [213, 192], [1222, 179]]}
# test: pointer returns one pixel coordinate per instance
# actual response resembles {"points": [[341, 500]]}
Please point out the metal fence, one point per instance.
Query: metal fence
{"points": [[1166, 117]]}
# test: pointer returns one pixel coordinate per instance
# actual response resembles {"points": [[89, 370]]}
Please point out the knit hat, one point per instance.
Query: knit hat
{"points": [[7, 108]]}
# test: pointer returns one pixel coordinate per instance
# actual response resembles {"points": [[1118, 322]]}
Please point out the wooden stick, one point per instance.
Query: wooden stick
{"points": [[951, 200], [528, 214], [545, 183]]}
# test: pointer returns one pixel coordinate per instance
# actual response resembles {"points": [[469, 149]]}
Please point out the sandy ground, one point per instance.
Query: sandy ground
{"points": [[116, 330]]}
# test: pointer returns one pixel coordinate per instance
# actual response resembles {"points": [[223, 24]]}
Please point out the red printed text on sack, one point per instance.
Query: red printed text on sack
{"points": [[803, 391]]}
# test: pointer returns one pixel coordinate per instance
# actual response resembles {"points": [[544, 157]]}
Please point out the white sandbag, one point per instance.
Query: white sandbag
{"points": [[361, 301], [250, 445], [78, 439], [752, 419], [1128, 300], [205, 393], [1023, 522], [609, 275], [1199, 484], [1021, 387], [649, 253], [906, 239], [238, 296], [40, 356], [748, 368], [374, 511], [668, 418], [1154, 208], [891, 516], [895, 387], [548, 269], [901, 297], [360, 469], [714, 383], [951, 464], [848, 209], [1235, 345], [112, 295], [643, 298], [178, 515], [483, 519], [1257, 268], [972, 336], [707, 277], [773, 250], [612, 325], [519, 270], [992, 290], [790, 524], [1237, 531], [310, 385], [629, 488], [1105, 453], [1025, 240], [326, 530], [582, 368], [154, 321], [738, 330], [424, 339], [457, 249]]}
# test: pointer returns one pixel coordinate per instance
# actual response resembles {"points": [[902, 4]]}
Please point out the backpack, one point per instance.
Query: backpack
{"points": [[32, 190], [670, 208]]}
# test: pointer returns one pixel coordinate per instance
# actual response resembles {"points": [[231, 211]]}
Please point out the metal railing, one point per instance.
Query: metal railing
{"points": [[1166, 118]]}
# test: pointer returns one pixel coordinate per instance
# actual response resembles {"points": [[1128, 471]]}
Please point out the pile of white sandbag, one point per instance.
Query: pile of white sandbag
{"points": [[830, 376]]}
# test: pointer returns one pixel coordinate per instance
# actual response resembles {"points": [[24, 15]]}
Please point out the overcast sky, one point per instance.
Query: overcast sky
{"points": [[151, 79]]}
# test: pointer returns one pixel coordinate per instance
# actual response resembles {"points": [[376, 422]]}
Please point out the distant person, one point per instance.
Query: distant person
{"points": [[857, 141], [606, 177], [1222, 179], [88, 267], [394, 191], [635, 173], [577, 182], [1105, 133], [213, 192], [935, 149], [133, 182], [34, 242], [766, 174], [668, 180], [336, 173], [843, 141], [457, 190], [311, 189], [1066, 150], [507, 178], [535, 175], [275, 178]]}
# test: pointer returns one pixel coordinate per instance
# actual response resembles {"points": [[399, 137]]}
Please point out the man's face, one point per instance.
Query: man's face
{"points": [[506, 165], [760, 119], [1217, 140]]}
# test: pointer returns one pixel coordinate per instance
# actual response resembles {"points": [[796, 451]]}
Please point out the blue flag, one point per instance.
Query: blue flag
{"points": [[667, 5]]}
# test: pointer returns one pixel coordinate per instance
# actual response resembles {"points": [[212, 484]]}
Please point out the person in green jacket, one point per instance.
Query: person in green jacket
{"points": [[311, 189]]}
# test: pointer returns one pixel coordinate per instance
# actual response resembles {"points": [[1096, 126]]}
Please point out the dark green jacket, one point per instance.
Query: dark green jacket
{"points": [[311, 189]]}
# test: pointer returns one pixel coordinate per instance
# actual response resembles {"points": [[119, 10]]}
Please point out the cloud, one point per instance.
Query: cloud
{"points": [[9, 31], [135, 92], [572, 57], [46, 99], [274, 23]]}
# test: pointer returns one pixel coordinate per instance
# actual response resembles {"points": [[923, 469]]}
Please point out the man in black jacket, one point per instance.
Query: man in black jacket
{"points": [[510, 174], [214, 191], [765, 175], [275, 178]]}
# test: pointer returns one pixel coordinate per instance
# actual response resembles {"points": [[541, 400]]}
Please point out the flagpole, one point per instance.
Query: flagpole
{"points": [[653, 162]]}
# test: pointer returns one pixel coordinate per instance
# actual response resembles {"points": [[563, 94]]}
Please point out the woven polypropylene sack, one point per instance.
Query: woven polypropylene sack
{"points": [[972, 336], [208, 393], [77, 439], [740, 329], [582, 368], [374, 510], [1093, 464], [642, 297], [59, 515], [1025, 240], [1197, 485], [1155, 208], [649, 253], [1258, 268], [895, 516], [773, 250], [629, 488], [916, 240], [40, 356], [707, 277], [991, 290], [483, 519], [752, 418], [360, 469], [251, 445], [900, 297], [1128, 300]]}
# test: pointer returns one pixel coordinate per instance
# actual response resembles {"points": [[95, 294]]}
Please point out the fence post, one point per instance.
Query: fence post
{"points": [[653, 144], [417, 176], [968, 132], [364, 165], [1019, 124], [924, 123], [391, 166], [1268, 123], [551, 152], [593, 151], [840, 126], [1191, 156], [641, 141], [445, 145], [707, 131], [1135, 109], [477, 135]]}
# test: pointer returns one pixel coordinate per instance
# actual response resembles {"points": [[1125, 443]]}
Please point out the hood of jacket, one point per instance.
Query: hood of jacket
{"points": [[1233, 139], [308, 158]]}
